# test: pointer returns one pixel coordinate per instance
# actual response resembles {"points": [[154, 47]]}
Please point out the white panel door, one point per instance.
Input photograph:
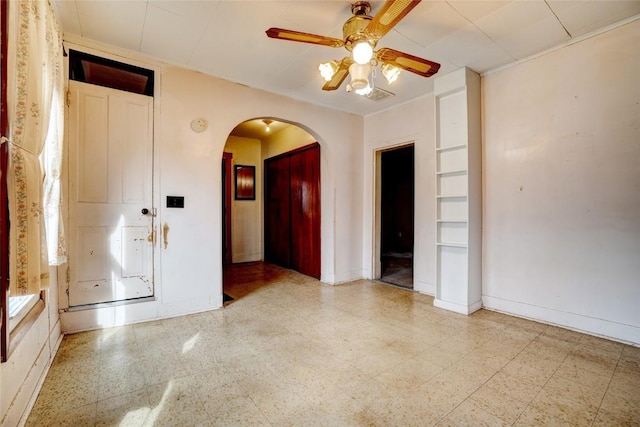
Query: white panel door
{"points": [[110, 186]]}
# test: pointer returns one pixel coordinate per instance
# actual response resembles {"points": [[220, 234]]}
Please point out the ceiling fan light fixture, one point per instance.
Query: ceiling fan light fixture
{"points": [[362, 52], [328, 69], [359, 76], [390, 72], [365, 91]]}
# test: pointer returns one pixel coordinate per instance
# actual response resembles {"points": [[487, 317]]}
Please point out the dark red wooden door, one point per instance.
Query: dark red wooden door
{"points": [[305, 212], [292, 210], [277, 231]]}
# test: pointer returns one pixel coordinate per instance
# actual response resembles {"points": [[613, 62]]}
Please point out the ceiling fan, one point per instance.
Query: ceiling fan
{"points": [[361, 34]]}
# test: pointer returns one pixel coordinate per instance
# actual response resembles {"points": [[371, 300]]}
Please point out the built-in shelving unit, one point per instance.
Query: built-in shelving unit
{"points": [[458, 200]]}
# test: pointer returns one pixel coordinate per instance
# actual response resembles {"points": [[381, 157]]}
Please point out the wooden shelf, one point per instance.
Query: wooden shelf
{"points": [[451, 148], [453, 172], [458, 158], [452, 245], [451, 196]]}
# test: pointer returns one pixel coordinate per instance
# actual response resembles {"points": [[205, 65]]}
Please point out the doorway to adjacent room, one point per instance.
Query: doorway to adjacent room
{"points": [[271, 198], [397, 215]]}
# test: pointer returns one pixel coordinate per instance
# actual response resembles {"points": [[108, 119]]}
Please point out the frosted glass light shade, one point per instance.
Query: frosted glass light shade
{"points": [[390, 72], [365, 90], [328, 69], [359, 76], [362, 52]]}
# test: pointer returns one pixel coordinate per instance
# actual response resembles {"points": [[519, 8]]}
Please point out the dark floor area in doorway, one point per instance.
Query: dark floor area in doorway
{"points": [[397, 269]]}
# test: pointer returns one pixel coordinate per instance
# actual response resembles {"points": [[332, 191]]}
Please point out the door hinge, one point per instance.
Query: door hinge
{"points": [[68, 98]]}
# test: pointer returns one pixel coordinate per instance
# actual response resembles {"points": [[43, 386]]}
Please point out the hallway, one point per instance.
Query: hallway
{"points": [[289, 350]]}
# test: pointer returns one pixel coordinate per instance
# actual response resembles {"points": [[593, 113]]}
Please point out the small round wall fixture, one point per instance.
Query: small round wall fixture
{"points": [[199, 125]]}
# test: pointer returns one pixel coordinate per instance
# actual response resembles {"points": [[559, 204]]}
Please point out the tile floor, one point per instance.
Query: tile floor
{"points": [[290, 351]]}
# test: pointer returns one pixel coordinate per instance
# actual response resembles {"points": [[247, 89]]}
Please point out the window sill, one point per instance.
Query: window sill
{"points": [[21, 330], [19, 307]]}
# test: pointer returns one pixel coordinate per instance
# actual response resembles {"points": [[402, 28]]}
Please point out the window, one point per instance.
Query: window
{"points": [[19, 307], [105, 72]]}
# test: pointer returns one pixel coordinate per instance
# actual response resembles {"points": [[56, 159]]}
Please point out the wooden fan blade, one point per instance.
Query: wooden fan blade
{"points": [[341, 73], [297, 36], [388, 16], [414, 64]]}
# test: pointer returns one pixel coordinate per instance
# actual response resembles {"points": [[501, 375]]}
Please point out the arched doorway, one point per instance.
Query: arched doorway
{"points": [[272, 189]]}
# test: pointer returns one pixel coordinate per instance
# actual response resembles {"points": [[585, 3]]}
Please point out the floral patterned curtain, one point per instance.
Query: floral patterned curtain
{"points": [[35, 89], [52, 156]]}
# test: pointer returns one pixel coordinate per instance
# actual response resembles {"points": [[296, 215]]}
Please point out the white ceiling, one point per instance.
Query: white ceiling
{"points": [[227, 38], [257, 129]]}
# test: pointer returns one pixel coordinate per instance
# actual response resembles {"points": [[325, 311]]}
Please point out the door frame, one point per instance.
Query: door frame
{"points": [[4, 203], [226, 208], [376, 262], [149, 211], [62, 272]]}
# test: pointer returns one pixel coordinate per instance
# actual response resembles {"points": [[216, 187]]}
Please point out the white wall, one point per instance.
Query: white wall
{"points": [[21, 375], [189, 270], [190, 165], [562, 186], [412, 122], [287, 139], [246, 215]]}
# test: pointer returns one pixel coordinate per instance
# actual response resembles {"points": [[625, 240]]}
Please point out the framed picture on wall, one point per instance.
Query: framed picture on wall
{"points": [[245, 182]]}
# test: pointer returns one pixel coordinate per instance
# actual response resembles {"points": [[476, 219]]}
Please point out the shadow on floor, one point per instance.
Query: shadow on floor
{"points": [[397, 269], [243, 279]]}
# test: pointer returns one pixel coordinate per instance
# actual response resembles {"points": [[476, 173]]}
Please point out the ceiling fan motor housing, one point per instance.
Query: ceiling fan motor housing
{"points": [[353, 29], [361, 8]]}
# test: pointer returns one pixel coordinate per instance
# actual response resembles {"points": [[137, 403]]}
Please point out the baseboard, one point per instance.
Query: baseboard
{"points": [[241, 258], [628, 334], [425, 288], [458, 308], [184, 308], [106, 317], [26, 394], [339, 279], [43, 377]]}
